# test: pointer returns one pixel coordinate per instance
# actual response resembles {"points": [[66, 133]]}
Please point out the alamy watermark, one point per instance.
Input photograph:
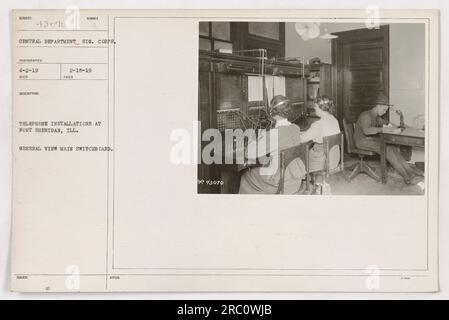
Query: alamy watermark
{"points": [[372, 281], [229, 146]]}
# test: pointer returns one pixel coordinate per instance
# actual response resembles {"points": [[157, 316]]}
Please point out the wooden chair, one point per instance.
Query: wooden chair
{"points": [[328, 143], [286, 157], [361, 166]]}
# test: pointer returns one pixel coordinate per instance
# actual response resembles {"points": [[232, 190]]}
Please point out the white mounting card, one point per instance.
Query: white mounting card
{"points": [[104, 103]]}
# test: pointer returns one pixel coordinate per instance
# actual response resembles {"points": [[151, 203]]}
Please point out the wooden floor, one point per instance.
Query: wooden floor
{"points": [[365, 185]]}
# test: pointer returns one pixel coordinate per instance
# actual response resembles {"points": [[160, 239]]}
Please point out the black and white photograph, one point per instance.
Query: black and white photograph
{"points": [[208, 153], [312, 107]]}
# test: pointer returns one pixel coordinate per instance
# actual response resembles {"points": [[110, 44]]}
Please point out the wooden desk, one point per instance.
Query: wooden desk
{"points": [[408, 137]]}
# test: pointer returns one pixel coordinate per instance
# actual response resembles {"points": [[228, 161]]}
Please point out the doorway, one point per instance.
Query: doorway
{"points": [[361, 60]]}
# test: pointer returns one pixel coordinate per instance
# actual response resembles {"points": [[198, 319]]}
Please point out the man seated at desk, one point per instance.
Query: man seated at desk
{"points": [[367, 128]]}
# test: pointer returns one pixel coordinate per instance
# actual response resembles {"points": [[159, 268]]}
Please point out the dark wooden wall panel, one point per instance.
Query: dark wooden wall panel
{"points": [[361, 59]]}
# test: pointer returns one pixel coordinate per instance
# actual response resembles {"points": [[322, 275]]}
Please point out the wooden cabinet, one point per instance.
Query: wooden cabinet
{"points": [[267, 35], [319, 81], [215, 35], [205, 115], [237, 36]]}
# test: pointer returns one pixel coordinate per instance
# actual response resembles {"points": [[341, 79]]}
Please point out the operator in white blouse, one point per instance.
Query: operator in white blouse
{"points": [[327, 125]]}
